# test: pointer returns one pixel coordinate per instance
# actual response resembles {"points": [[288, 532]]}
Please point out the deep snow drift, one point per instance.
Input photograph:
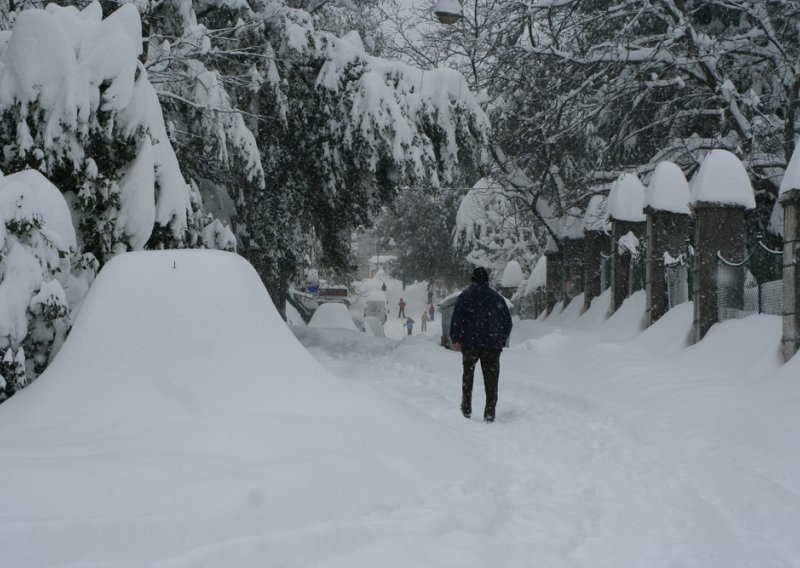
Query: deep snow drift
{"points": [[182, 424]]}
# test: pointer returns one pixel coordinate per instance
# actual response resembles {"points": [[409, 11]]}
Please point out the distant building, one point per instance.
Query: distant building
{"points": [[373, 254]]}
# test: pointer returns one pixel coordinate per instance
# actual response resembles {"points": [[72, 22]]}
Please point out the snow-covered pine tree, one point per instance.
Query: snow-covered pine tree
{"points": [[350, 129], [76, 104], [37, 245]]}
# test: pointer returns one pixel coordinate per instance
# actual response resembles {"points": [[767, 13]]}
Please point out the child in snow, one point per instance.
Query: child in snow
{"points": [[409, 325], [424, 322]]}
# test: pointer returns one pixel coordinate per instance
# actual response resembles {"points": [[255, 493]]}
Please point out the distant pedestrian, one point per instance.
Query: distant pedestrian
{"points": [[431, 312], [383, 287], [409, 325], [424, 322], [401, 312], [479, 328]]}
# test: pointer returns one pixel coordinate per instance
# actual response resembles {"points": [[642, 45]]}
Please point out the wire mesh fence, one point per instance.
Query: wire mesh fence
{"points": [[678, 274], [605, 272], [754, 286], [636, 274]]}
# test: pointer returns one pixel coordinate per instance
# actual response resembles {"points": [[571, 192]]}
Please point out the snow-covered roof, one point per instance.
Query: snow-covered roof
{"points": [[668, 190], [512, 275], [596, 217], [626, 200], [722, 179], [791, 178]]}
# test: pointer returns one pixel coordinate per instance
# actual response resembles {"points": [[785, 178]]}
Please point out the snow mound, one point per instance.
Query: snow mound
{"points": [[626, 200], [512, 275], [332, 315], [723, 180], [668, 190], [182, 413], [791, 178], [596, 214]]}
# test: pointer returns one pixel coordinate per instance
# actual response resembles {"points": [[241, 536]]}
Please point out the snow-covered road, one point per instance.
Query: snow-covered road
{"points": [[611, 447]]}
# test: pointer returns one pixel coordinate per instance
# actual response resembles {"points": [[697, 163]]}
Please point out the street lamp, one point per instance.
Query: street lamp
{"points": [[448, 11]]}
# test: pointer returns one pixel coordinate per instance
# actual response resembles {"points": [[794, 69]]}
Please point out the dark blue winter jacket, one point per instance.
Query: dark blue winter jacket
{"points": [[481, 319]]}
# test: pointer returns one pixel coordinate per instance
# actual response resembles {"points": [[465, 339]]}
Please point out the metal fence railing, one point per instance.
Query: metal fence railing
{"points": [[754, 286]]}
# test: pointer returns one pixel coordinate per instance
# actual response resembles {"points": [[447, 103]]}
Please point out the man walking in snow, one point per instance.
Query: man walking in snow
{"points": [[479, 328], [424, 321], [401, 312]]}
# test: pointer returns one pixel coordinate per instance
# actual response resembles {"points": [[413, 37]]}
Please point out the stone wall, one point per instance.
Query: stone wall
{"points": [[666, 233], [717, 229], [621, 262], [791, 277], [595, 243]]}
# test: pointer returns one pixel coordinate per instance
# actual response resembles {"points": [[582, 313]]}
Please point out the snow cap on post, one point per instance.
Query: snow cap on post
{"points": [[790, 184], [571, 225], [538, 277], [626, 200], [722, 180], [596, 217], [448, 11], [512, 275], [550, 246], [668, 190]]}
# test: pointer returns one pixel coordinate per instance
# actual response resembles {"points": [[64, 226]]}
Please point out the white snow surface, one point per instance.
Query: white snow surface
{"points": [[791, 177], [626, 200], [722, 179], [31, 191], [512, 275], [332, 315], [182, 425], [538, 278], [668, 190], [596, 217]]}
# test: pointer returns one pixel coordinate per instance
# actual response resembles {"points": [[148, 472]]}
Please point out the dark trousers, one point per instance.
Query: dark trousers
{"points": [[490, 367]]}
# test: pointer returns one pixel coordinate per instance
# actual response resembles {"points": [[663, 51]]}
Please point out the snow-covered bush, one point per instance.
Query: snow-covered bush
{"points": [[37, 244]]}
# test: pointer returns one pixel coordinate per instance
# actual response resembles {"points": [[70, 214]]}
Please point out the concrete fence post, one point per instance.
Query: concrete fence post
{"points": [[596, 241], [790, 343], [718, 229], [555, 274], [595, 244], [626, 211], [668, 217], [721, 192], [622, 258]]}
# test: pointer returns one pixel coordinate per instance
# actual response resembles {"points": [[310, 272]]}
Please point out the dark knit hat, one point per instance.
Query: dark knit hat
{"points": [[480, 275]]}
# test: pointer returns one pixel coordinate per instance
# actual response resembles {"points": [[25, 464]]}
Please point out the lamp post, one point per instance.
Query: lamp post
{"points": [[448, 11]]}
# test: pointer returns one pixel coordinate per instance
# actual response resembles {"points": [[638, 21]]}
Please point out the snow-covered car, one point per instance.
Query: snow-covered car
{"points": [[376, 306], [332, 315], [375, 325]]}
